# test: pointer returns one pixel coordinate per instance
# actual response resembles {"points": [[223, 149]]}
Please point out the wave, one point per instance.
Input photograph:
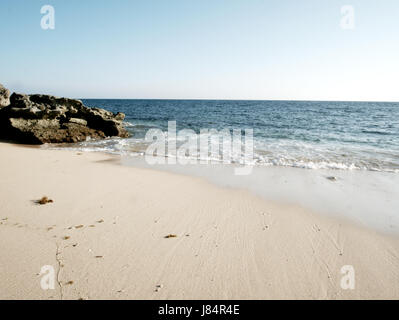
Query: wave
{"points": [[377, 132], [283, 156]]}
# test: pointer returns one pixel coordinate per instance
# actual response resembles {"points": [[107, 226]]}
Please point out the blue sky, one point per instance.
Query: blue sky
{"points": [[202, 49]]}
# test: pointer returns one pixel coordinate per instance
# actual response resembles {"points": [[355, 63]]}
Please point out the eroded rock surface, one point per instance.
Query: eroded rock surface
{"points": [[4, 97], [38, 119]]}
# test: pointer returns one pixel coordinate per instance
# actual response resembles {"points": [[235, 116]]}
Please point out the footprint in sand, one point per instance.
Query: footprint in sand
{"points": [[316, 228], [158, 287], [267, 221]]}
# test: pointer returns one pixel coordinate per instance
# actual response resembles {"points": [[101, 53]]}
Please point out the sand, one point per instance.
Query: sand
{"points": [[104, 236], [369, 198]]}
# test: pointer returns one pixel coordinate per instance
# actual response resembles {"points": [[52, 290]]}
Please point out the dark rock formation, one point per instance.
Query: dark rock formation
{"points": [[4, 97], [37, 119]]}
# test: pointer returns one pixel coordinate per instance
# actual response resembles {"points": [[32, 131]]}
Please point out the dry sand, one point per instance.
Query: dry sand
{"points": [[105, 237]]}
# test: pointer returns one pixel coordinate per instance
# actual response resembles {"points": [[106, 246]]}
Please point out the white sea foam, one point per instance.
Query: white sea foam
{"points": [[283, 154]]}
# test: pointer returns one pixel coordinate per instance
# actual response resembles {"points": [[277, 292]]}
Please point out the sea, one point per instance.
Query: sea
{"points": [[303, 134]]}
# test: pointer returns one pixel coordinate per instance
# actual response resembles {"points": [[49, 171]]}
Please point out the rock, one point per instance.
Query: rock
{"points": [[38, 119], [105, 121], [78, 121], [39, 131], [44, 201], [4, 97], [120, 116]]}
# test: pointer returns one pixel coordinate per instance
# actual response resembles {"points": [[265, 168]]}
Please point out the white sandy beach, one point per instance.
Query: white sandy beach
{"points": [[230, 244]]}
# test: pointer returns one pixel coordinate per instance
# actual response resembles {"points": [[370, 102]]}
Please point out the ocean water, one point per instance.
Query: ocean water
{"points": [[305, 134]]}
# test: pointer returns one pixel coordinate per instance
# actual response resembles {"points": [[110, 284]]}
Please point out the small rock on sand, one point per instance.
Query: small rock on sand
{"points": [[44, 200]]}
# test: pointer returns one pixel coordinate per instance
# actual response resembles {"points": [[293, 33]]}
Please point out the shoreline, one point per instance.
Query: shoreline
{"points": [[234, 245], [357, 182], [370, 191]]}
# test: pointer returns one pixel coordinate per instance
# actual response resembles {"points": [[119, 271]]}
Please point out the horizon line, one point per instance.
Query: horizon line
{"points": [[219, 99], [209, 99]]}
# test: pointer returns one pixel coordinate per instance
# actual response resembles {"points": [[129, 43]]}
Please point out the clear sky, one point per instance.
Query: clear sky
{"points": [[202, 49]]}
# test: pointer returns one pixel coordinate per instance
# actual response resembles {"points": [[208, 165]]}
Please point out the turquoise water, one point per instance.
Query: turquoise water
{"points": [[338, 135]]}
